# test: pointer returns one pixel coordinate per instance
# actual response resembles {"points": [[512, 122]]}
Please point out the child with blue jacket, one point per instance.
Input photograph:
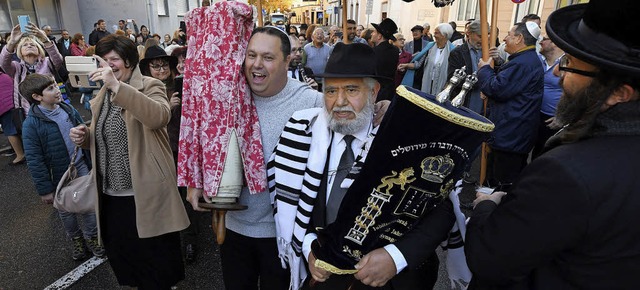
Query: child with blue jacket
{"points": [[48, 149]]}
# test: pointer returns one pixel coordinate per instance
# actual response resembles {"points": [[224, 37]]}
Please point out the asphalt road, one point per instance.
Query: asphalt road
{"points": [[35, 253]]}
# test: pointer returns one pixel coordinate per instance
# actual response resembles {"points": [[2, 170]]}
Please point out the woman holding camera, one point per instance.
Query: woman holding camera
{"points": [[140, 211], [30, 48]]}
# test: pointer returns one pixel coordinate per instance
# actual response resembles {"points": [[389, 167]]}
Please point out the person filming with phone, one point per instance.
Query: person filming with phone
{"points": [[140, 211], [29, 43]]}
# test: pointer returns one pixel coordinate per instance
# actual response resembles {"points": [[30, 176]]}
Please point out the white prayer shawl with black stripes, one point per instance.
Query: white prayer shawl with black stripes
{"points": [[295, 170], [294, 173]]}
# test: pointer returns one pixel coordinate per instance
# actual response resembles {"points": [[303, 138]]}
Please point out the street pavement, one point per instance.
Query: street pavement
{"points": [[35, 253]]}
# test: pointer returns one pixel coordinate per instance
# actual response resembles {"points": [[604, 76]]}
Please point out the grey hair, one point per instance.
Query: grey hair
{"points": [[426, 24], [445, 29], [369, 82], [474, 27]]}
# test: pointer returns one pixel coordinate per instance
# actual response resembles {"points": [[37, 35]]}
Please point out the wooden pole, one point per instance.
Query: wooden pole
{"points": [[485, 56], [345, 39], [494, 23], [260, 16]]}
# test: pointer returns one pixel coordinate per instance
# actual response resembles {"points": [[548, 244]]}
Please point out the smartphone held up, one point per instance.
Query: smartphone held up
{"points": [[23, 20]]}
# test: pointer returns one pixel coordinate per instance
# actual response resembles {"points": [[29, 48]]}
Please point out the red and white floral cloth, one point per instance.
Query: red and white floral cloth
{"points": [[216, 99]]}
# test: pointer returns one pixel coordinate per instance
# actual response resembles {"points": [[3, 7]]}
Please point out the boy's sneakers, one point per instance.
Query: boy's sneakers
{"points": [[95, 247], [78, 249]]}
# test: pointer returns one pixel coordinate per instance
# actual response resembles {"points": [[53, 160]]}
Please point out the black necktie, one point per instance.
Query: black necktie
{"points": [[337, 193], [293, 72]]}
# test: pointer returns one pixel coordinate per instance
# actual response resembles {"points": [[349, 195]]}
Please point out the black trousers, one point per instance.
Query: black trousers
{"points": [[149, 263], [247, 262], [190, 234], [504, 167]]}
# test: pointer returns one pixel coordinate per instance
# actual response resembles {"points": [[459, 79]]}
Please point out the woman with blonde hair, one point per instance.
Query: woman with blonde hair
{"points": [[30, 49]]}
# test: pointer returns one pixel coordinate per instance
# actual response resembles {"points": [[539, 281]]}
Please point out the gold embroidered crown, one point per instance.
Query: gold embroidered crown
{"points": [[437, 168]]}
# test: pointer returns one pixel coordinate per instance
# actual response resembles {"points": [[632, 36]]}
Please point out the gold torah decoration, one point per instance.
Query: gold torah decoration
{"points": [[390, 180]]}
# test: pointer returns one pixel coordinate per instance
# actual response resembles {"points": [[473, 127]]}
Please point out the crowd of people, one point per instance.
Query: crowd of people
{"points": [[561, 216]]}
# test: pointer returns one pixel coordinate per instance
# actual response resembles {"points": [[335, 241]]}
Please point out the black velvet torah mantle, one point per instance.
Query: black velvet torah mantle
{"points": [[419, 153]]}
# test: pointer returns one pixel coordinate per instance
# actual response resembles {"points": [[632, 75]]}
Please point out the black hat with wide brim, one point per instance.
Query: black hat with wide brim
{"points": [[387, 28], [600, 32], [156, 52], [354, 60]]}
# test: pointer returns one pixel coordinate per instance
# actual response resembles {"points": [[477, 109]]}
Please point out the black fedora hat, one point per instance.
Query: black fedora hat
{"points": [[356, 60], [601, 32], [387, 28], [156, 52]]}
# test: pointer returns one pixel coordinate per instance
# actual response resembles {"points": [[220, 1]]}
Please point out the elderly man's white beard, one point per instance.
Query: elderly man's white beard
{"points": [[350, 127]]}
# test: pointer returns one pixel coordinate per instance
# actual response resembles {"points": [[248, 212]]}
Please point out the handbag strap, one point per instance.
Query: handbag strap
{"points": [[19, 95], [72, 165]]}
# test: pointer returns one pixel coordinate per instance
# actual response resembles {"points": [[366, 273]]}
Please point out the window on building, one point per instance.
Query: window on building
{"points": [[563, 3], [182, 7], [163, 7], [41, 12], [384, 10], [526, 8], [470, 9]]}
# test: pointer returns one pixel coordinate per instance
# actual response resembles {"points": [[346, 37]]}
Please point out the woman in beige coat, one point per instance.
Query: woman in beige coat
{"points": [[140, 212]]}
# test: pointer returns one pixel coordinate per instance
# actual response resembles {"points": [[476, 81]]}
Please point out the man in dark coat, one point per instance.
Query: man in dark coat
{"points": [[99, 33], [386, 56], [64, 44], [515, 94], [571, 220], [468, 54]]}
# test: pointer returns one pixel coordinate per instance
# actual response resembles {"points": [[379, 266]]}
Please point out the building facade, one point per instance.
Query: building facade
{"points": [[409, 14], [160, 16]]}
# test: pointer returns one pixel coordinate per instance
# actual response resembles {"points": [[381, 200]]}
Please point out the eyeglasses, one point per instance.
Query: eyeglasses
{"points": [[158, 67], [563, 67], [299, 49]]}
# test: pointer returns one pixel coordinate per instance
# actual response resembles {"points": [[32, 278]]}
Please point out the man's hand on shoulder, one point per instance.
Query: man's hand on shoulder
{"points": [[376, 268]]}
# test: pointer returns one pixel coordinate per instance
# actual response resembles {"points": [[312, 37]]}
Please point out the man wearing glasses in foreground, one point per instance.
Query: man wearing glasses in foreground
{"points": [[571, 219]]}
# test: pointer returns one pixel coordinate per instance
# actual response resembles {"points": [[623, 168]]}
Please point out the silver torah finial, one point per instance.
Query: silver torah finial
{"points": [[458, 75], [471, 80]]}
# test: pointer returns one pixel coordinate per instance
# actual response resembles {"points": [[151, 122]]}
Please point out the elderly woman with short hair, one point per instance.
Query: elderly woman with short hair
{"points": [[140, 211], [30, 49], [435, 60]]}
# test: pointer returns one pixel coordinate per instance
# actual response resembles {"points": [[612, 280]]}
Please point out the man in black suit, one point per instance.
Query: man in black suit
{"points": [[64, 44], [386, 56], [570, 221], [297, 70], [351, 86], [456, 34]]}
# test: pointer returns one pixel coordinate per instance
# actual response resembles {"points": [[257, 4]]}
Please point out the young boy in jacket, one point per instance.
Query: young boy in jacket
{"points": [[48, 150]]}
